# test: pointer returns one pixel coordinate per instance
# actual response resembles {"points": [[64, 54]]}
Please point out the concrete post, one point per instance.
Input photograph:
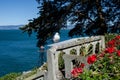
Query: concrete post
{"points": [[103, 42], [94, 47], [68, 66], [51, 65]]}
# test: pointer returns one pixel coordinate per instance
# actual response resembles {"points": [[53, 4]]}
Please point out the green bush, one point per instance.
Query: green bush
{"points": [[109, 36], [103, 66], [11, 76]]}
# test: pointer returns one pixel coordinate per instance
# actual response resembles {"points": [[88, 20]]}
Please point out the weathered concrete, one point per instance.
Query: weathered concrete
{"points": [[67, 46]]}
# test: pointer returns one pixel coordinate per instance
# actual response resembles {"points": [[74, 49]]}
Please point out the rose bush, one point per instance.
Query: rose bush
{"points": [[104, 66], [77, 70]]}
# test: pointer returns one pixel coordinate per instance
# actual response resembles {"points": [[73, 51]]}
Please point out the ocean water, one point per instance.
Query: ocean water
{"points": [[18, 51]]}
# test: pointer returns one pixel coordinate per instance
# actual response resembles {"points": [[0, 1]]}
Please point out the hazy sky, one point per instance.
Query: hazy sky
{"points": [[14, 12]]}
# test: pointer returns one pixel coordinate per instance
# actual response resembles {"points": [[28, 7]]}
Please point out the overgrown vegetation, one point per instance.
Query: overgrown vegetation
{"points": [[27, 74], [110, 36], [11, 76], [104, 65], [20, 76]]}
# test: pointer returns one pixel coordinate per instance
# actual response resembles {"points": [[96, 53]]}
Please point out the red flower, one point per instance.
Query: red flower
{"points": [[111, 43], [110, 50], [91, 59], [117, 37], [118, 52], [82, 65], [79, 70], [76, 71], [118, 42], [101, 55]]}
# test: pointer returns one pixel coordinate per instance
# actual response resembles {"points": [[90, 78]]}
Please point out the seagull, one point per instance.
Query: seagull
{"points": [[56, 37]]}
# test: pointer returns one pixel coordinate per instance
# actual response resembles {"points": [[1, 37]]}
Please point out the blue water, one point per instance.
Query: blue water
{"points": [[18, 51]]}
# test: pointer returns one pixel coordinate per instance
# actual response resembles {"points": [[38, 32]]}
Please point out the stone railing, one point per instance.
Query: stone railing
{"points": [[37, 74], [91, 45]]}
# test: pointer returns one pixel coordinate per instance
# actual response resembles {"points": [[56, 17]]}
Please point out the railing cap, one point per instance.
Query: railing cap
{"points": [[74, 42]]}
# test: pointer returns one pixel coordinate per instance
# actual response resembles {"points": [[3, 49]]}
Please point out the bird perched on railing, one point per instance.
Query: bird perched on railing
{"points": [[56, 37]]}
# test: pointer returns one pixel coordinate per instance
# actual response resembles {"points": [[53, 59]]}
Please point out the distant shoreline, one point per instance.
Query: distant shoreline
{"points": [[10, 27]]}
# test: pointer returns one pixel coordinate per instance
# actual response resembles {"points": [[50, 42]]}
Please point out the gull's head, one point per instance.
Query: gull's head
{"points": [[57, 33]]}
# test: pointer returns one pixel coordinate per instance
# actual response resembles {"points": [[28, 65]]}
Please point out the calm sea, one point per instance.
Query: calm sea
{"points": [[18, 51]]}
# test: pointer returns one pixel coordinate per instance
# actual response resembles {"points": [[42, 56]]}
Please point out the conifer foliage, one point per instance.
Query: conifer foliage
{"points": [[90, 17]]}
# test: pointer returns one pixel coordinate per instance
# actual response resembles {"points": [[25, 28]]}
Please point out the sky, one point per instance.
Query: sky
{"points": [[17, 12]]}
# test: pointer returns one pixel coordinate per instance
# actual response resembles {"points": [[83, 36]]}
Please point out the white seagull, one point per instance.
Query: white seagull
{"points": [[56, 37]]}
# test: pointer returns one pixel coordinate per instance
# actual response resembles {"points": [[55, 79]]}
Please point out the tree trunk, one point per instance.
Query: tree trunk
{"points": [[102, 24]]}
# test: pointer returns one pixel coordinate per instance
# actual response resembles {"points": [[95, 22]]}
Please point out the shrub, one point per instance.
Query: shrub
{"points": [[104, 66], [11, 76]]}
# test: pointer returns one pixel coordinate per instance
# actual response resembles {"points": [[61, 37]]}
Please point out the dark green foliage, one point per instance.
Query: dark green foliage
{"points": [[73, 52], [11, 76], [61, 61], [90, 17], [109, 37], [82, 51]]}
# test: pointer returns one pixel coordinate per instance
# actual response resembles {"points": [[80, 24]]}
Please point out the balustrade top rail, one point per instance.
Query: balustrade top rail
{"points": [[74, 42]]}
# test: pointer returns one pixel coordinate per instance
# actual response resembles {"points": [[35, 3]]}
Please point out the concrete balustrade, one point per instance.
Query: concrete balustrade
{"points": [[67, 46], [89, 44]]}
